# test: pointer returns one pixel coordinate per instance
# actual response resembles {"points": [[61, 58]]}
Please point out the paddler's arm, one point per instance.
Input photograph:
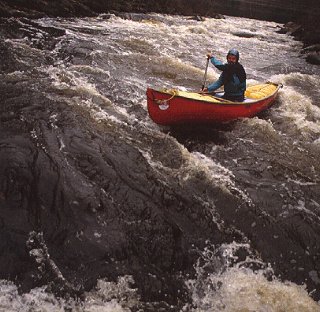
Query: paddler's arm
{"points": [[218, 64], [215, 85]]}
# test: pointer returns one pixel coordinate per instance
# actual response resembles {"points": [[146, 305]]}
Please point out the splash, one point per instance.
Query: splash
{"points": [[239, 290], [225, 282], [107, 297]]}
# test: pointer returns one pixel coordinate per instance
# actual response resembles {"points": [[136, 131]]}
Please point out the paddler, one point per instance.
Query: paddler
{"points": [[233, 77]]}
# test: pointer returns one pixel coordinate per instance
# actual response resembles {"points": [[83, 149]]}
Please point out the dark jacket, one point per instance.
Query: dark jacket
{"points": [[233, 78]]}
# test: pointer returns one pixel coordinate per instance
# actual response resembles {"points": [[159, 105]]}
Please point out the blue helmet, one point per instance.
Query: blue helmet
{"points": [[234, 52]]}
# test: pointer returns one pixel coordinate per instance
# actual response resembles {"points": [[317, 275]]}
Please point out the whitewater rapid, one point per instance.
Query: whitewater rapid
{"points": [[101, 68]]}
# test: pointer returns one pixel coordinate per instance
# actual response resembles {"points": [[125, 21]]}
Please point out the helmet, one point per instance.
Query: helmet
{"points": [[234, 52]]}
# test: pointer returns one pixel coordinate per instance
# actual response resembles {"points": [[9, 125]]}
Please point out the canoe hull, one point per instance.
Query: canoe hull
{"points": [[165, 109]]}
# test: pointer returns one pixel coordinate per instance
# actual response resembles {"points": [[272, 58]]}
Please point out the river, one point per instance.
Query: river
{"points": [[242, 199]]}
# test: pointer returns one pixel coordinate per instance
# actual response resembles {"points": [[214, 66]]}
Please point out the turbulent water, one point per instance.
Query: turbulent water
{"points": [[257, 179]]}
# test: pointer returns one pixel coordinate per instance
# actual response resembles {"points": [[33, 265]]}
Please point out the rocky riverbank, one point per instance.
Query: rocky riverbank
{"points": [[309, 35]]}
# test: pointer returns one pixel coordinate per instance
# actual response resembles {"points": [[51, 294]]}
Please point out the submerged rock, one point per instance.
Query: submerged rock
{"points": [[197, 18], [80, 202]]}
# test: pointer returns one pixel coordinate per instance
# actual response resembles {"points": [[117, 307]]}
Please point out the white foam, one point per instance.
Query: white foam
{"points": [[78, 91], [223, 286], [244, 290], [107, 297]]}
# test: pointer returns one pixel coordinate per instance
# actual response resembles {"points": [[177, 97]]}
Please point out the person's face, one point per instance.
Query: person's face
{"points": [[232, 59]]}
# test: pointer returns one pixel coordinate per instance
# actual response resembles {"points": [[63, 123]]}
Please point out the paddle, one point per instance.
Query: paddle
{"points": [[205, 74]]}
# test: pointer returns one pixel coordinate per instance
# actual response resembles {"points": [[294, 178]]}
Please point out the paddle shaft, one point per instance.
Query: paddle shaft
{"points": [[205, 74]]}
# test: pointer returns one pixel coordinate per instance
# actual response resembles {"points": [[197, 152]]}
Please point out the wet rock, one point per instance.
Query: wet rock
{"points": [[289, 28], [201, 18], [106, 16], [197, 18], [308, 34], [313, 58], [217, 16], [131, 16], [103, 210], [311, 48], [57, 283]]}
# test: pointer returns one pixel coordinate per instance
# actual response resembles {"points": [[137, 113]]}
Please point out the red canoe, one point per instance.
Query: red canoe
{"points": [[171, 107]]}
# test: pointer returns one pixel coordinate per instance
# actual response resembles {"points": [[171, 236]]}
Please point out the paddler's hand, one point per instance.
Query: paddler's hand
{"points": [[209, 56], [204, 90]]}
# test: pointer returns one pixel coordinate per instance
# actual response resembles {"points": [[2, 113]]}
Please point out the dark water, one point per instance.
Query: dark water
{"points": [[215, 218]]}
